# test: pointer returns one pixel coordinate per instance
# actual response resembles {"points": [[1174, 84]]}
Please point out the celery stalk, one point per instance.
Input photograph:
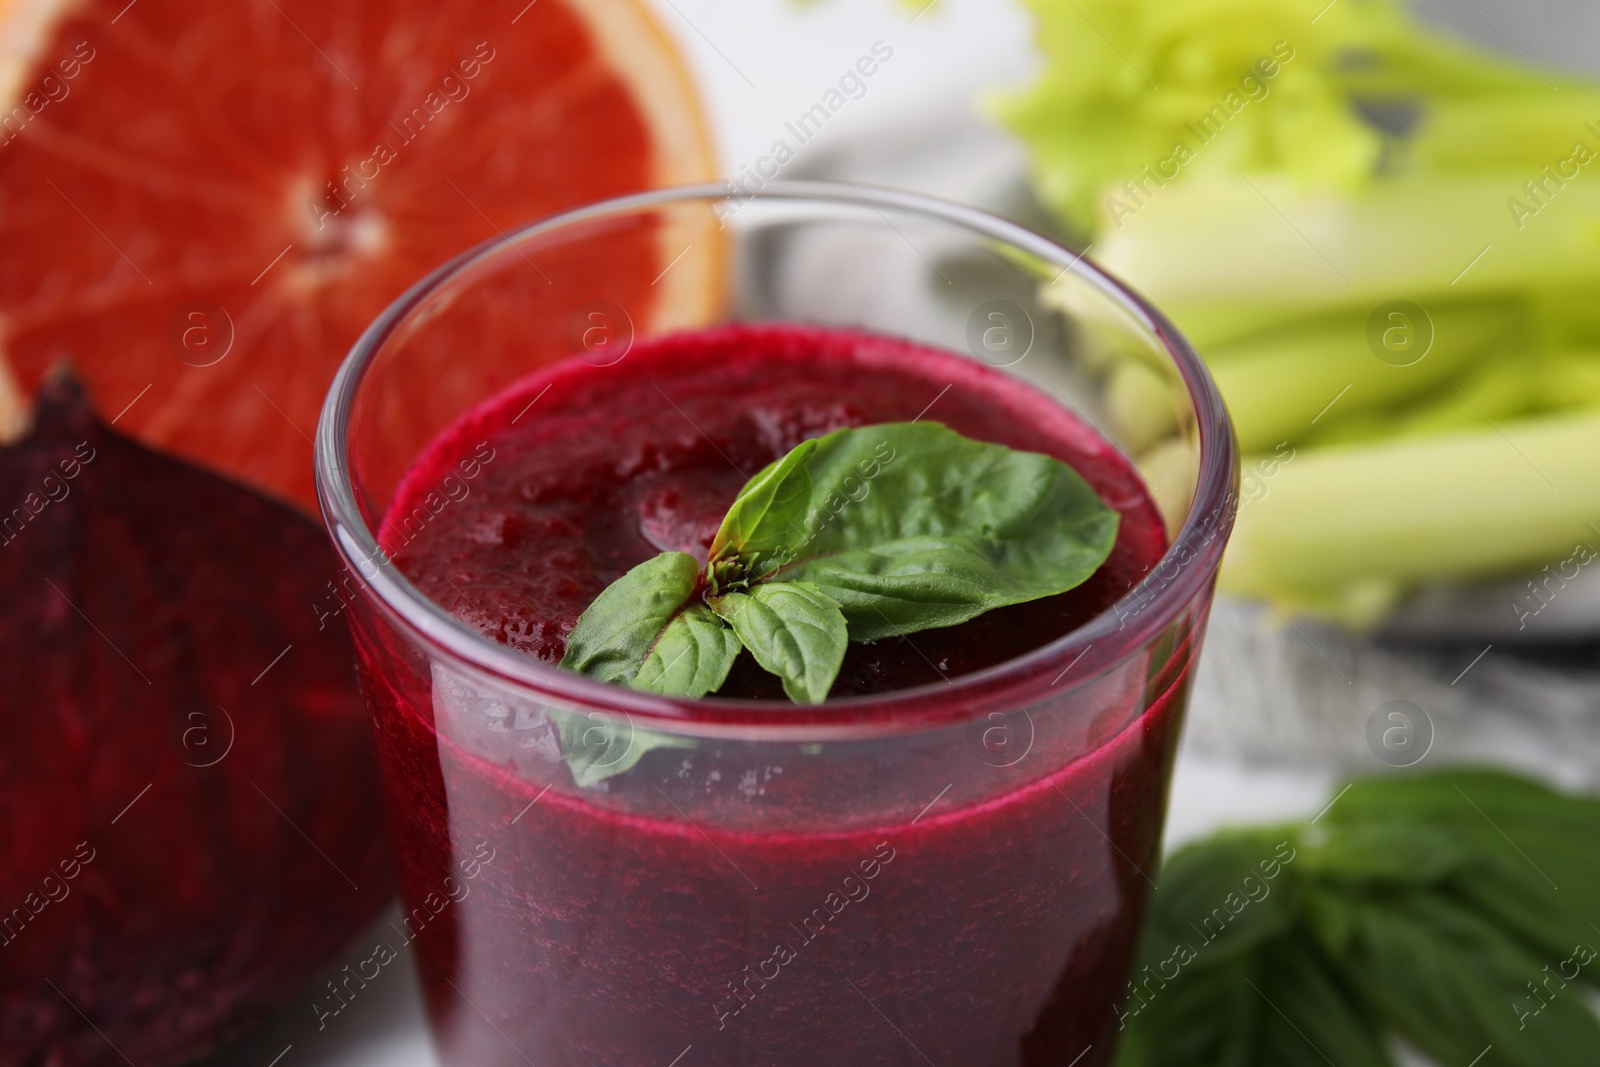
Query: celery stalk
{"points": [[1570, 380], [1499, 390], [1497, 133], [1142, 404], [1278, 387], [1414, 511], [1502, 392], [1274, 179], [1207, 249]]}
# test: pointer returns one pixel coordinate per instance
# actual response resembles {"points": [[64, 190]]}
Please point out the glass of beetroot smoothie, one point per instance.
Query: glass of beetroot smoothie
{"points": [[947, 861]]}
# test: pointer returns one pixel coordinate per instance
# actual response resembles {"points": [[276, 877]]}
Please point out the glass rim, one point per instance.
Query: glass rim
{"points": [[1195, 551]]}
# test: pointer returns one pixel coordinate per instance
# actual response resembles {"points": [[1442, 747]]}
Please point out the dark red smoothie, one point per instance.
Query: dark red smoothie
{"points": [[925, 897]]}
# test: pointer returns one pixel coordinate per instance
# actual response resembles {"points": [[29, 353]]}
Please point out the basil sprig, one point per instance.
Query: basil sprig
{"points": [[864, 534], [1457, 910]]}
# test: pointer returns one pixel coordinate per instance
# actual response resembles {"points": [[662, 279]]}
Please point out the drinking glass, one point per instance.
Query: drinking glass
{"points": [[952, 874]]}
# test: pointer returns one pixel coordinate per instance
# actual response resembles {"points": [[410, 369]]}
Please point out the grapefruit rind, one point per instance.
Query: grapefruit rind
{"points": [[645, 55]]}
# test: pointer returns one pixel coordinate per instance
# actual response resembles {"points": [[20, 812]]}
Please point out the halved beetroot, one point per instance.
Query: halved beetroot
{"points": [[189, 808]]}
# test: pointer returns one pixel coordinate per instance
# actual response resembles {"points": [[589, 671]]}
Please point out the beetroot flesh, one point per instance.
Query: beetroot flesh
{"points": [[190, 817]]}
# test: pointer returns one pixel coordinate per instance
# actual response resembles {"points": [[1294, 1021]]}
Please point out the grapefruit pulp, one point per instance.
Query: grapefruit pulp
{"points": [[201, 207]]}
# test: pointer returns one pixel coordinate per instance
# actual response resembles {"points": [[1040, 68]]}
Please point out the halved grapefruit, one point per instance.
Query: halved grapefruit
{"points": [[202, 205]]}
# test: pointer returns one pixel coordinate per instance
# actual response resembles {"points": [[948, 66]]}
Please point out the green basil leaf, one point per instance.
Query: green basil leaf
{"points": [[615, 634], [692, 657], [864, 534], [638, 633], [765, 518], [1512, 894], [1514, 840], [1425, 906], [912, 526], [1222, 936], [1200, 1019], [792, 629], [1279, 1005], [596, 746], [1395, 852], [1307, 1017], [1223, 897], [1458, 987]]}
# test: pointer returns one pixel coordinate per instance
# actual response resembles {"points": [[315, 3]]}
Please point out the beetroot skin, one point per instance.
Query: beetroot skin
{"points": [[189, 809]]}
